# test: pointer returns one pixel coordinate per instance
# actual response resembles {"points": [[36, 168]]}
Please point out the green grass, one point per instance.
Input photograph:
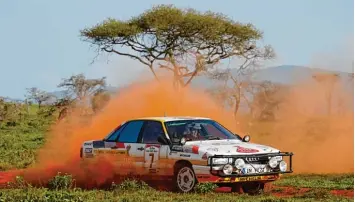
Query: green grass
{"points": [[330, 181], [42, 194], [132, 190], [18, 150]]}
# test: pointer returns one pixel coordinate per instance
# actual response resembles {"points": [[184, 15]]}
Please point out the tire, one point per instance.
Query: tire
{"points": [[184, 178], [235, 188], [253, 188]]}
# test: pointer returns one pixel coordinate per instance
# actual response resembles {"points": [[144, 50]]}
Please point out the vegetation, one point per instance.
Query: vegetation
{"points": [[334, 181], [61, 189], [184, 42]]}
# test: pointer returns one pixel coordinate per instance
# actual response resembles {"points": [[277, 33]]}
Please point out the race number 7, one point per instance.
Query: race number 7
{"points": [[151, 160]]}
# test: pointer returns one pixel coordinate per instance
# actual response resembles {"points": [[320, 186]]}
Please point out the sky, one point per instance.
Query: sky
{"points": [[40, 42]]}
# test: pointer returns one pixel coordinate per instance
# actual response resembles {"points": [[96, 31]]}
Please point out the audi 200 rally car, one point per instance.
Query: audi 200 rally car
{"points": [[191, 150]]}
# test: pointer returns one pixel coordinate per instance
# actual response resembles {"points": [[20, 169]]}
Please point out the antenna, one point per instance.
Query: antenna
{"points": [[165, 114]]}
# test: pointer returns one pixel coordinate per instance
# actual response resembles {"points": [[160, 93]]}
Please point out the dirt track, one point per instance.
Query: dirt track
{"points": [[277, 191]]}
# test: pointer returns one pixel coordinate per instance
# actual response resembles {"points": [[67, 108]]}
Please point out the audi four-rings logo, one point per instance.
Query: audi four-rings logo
{"points": [[252, 159]]}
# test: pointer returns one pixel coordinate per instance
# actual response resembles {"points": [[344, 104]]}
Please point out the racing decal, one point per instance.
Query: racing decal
{"points": [[151, 155], [128, 148], [191, 149], [177, 148], [99, 151], [185, 155], [213, 149], [210, 178], [195, 149], [246, 150], [98, 144], [204, 157], [152, 148]]}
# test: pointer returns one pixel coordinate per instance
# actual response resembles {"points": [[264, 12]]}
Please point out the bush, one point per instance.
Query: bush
{"points": [[204, 188], [19, 183], [131, 185], [61, 182]]}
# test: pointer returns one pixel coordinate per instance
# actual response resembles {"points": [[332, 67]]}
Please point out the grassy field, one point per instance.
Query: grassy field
{"points": [[61, 189]]}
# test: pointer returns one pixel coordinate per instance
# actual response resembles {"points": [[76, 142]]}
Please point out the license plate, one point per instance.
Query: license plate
{"points": [[251, 178]]}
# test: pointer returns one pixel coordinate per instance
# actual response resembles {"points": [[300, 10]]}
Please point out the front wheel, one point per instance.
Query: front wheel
{"points": [[184, 178], [253, 188]]}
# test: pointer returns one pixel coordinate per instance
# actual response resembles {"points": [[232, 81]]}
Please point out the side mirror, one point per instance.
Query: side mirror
{"points": [[246, 138], [182, 141], [163, 140]]}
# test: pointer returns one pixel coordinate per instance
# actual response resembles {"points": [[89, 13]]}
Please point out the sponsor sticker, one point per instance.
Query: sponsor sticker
{"points": [[246, 150], [204, 157], [176, 148], [213, 149], [191, 149], [185, 155], [151, 148], [99, 151]]}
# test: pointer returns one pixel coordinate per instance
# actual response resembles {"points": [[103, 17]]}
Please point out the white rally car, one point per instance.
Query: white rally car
{"points": [[191, 150]]}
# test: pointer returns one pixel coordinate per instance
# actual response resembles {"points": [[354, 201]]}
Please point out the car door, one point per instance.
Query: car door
{"points": [[134, 150], [154, 151]]}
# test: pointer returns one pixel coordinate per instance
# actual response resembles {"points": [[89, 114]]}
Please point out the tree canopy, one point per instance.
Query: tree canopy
{"points": [[167, 34]]}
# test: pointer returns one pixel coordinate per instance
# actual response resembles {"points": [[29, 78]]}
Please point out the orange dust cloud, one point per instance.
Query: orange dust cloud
{"points": [[321, 143]]}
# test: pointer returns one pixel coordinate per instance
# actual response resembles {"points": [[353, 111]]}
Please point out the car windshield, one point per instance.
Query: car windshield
{"points": [[193, 130]]}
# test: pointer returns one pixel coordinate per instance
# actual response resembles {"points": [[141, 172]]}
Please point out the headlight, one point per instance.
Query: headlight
{"points": [[218, 161], [228, 169], [239, 163], [278, 158], [273, 162], [283, 166]]}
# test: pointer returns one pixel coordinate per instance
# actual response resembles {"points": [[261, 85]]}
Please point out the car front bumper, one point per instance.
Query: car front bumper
{"points": [[254, 165]]}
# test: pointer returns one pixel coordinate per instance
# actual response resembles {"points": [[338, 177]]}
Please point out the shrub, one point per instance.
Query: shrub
{"points": [[61, 182], [131, 185], [205, 187]]}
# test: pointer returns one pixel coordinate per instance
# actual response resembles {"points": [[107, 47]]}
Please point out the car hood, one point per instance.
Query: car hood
{"points": [[229, 147]]}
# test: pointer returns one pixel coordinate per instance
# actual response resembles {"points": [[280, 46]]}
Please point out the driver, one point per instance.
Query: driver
{"points": [[192, 132]]}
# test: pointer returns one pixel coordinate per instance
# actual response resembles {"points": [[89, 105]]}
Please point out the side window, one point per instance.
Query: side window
{"points": [[151, 131], [131, 132], [114, 134]]}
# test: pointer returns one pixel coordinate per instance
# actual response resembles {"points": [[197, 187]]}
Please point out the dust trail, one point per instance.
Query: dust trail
{"points": [[61, 151], [321, 143]]}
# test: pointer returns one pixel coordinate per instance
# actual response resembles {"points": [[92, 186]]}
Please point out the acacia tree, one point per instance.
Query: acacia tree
{"points": [[99, 100], [267, 99], [328, 80], [168, 37], [38, 96], [240, 79], [78, 86], [78, 90]]}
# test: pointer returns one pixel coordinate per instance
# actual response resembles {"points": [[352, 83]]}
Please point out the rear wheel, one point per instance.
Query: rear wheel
{"points": [[184, 178], [236, 188], [253, 188]]}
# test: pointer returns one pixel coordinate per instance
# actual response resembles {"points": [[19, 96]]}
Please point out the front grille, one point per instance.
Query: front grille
{"points": [[256, 160]]}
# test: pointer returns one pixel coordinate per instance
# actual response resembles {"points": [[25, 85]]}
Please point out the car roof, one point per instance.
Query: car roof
{"points": [[172, 118]]}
